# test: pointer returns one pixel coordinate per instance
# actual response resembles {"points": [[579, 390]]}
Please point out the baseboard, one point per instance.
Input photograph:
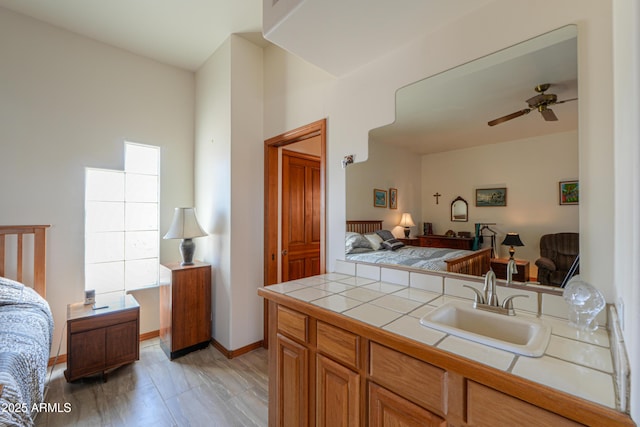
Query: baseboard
{"points": [[150, 335], [230, 354], [143, 337]]}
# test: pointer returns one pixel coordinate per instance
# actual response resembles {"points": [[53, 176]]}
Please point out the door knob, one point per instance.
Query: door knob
{"points": [[285, 252]]}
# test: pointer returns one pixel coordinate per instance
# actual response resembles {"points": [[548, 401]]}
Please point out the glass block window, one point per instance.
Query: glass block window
{"points": [[122, 242]]}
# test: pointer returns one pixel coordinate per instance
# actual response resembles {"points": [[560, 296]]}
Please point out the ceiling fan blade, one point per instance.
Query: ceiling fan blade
{"points": [[509, 117], [566, 100], [549, 115]]}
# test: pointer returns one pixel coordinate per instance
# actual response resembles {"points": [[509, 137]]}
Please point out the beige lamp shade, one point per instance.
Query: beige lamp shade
{"points": [[406, 220], [185, 225]]}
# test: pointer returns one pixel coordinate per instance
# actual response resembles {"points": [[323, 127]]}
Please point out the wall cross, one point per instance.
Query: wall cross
{"points": [[437, 196]]}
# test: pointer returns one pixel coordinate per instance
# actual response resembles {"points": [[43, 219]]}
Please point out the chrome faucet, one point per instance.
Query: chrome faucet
{"points": [[489, 301], [511, 270]]}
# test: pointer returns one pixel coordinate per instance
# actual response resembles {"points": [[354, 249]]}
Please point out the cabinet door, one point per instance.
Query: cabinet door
{"points": [[191, 307], [387, 409], [338, 394], [121, 344], [86, 353], [292, 379]]}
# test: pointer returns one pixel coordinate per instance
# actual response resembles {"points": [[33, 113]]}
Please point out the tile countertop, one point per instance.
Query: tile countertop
{"points": [[575, 362]]}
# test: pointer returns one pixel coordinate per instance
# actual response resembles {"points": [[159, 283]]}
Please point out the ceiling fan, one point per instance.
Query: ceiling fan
{"points": [[540, 102]]}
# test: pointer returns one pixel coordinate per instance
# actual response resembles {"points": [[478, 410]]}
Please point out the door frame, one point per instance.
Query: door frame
{"points": [[272, 198]]}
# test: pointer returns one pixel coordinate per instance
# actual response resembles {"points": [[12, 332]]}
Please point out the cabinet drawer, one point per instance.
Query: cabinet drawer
{"points": [[338, 344], [411, 378], [486, 406], [293, 324], [102, 321]]}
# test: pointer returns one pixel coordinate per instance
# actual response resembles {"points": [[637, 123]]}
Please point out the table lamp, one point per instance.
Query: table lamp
{"points": [[511, 240], [406, 221], [185, 226]]}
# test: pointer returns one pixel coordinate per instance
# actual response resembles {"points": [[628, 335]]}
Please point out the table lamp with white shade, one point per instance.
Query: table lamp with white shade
{"points": [[185, 226], [406, 221]]}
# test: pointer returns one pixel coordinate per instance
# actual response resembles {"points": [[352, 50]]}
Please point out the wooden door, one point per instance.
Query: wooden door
{"points": [[301, 210], [387, 409], [338, 395]]}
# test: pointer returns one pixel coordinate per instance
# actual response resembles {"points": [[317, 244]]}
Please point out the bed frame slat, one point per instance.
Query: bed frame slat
{"points": [[39, 253]]}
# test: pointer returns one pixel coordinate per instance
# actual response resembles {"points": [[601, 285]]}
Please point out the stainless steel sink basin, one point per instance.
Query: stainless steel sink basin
{"points": [[520, 335]]}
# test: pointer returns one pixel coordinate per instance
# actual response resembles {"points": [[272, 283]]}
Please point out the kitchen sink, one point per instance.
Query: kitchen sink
{"points": [[516, 334]]}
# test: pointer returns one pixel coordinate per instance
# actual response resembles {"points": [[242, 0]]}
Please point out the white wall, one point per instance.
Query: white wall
{"points": [[68, 102], [529, 169], [229, 183], [387, 167], [626, 59]]}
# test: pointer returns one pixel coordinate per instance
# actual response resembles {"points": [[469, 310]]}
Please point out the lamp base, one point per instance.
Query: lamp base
{"points": [[407, 230], [187, 249], [511, 252]]}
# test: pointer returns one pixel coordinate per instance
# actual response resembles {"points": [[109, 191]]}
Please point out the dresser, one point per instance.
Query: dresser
{"points": [[185, 308], [436, 241], [102, 338]]}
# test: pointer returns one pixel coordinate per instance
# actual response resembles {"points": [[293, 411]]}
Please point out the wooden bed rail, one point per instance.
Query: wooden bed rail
{"points": [[39, 253], [475, 264]]}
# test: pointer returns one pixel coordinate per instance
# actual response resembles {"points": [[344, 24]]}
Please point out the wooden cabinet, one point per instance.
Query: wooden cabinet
{"points": [[499, 266], [103, 339], [185, 308], [435, 241], [292, 378], [329, 370], [337, 395], [387, 409], [487, 406]]}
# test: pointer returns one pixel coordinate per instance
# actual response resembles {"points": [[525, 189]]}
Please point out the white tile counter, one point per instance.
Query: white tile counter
{"points": [[575, 362]]}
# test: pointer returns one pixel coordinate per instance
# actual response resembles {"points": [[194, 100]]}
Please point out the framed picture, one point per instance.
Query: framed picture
{"points": [[379, 198], [393, 198], [569, 192], [491, 197]]}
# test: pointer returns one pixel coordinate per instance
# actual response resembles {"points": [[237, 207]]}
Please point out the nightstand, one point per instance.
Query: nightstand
{"points": [[499, 266], [410, 241], [103, 339], [185, 308]]}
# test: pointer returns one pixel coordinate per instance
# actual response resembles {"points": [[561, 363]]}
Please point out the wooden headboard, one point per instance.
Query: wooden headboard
{"points": [[364, 226], [39, 254]]}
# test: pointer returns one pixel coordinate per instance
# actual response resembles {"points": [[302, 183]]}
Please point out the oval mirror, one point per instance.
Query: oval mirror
{"points": [[459, 210]]}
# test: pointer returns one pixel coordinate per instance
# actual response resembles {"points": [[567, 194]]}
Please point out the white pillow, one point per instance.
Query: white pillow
{"points": [[375, 240], [356, 243]]}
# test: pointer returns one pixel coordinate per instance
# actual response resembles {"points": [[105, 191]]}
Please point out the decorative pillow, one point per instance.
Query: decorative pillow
{"points": [[374, 240], [385, 234], [393, 244], [355, 241]]}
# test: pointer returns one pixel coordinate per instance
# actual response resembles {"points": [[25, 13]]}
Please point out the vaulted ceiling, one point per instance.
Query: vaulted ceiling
{"points": [[339, 36]]}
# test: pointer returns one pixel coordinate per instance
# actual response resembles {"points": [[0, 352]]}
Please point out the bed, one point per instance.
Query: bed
{"points": [[26, 323], [475, 263]]}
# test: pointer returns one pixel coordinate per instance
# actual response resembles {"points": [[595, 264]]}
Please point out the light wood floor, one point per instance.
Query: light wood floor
{"points": [[202, 388]]}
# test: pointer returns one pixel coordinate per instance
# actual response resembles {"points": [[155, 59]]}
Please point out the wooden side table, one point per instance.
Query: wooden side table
{"points": [[185, 308], [103, 339], [410, 241], [499, 266]]}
